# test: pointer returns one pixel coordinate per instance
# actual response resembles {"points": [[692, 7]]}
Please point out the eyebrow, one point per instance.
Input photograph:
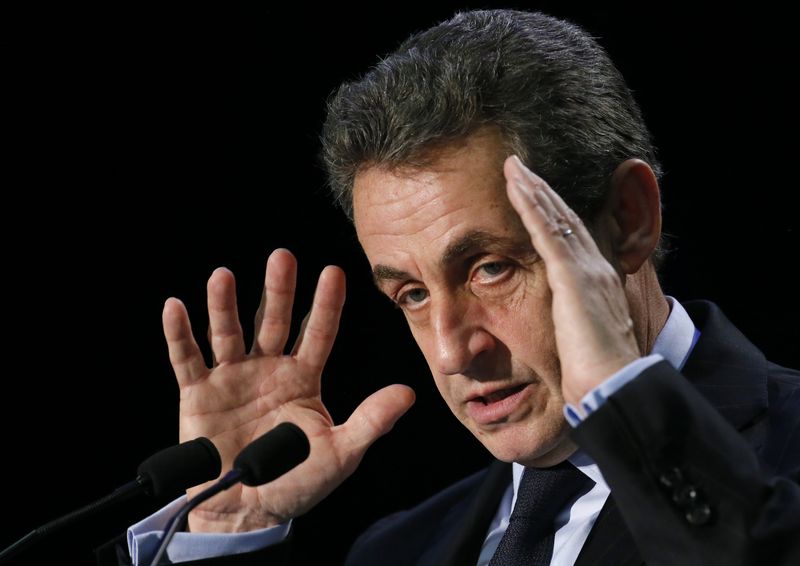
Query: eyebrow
{"points": [[469, 243]]}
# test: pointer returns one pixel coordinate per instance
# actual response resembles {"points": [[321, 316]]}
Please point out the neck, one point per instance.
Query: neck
{"points": [[649, 307]]}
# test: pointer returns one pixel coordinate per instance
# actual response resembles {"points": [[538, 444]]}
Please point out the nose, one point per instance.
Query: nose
{"points": [[459, 336]]}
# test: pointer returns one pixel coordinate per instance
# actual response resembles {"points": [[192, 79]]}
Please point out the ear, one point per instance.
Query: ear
{"points": [[635, 203]]}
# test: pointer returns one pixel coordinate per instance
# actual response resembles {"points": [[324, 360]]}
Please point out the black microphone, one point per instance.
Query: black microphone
{"points": [[272, 454], [167, 473], [263, 460]]}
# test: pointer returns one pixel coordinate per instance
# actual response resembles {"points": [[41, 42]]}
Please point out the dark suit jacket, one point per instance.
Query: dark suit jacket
{"points": [[703, 466]]}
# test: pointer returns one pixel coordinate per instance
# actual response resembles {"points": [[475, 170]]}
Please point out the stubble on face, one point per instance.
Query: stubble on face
{"points": [[446, 246]]}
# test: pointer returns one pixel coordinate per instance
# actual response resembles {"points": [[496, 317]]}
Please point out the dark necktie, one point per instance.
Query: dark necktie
{"points": [[543, 492]]}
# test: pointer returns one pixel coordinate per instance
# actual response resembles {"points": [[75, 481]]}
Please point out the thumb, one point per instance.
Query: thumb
{"points": [[374, 417]]}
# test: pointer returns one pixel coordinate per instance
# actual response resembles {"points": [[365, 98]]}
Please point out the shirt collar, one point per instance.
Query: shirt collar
{"points": [[674, 343], [678, 337]]}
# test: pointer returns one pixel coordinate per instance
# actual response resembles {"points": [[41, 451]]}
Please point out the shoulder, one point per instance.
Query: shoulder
{"points": [[725, 358], [402, 537]]}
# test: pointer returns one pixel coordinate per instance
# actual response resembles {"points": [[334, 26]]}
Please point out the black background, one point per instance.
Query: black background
{"points": [[148, 146]]}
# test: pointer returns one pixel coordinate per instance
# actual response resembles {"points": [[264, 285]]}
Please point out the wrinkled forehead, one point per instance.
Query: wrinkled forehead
{"points": [[468, 172], [418, 211]]}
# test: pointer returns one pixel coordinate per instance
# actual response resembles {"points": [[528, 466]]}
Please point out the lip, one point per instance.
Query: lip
{"points": [[484, 413]]}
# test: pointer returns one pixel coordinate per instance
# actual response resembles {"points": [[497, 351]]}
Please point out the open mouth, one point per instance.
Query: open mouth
{"points": [[500, 395], [501, 405]]}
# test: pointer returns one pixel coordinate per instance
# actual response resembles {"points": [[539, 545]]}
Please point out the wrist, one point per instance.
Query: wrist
{"points": [[575, 390], [209, 521]]}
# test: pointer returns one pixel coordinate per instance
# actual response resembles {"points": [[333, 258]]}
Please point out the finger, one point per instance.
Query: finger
{"points": [[300, 334], [373, 418], [323, 321], [568, 219], [184, 353], [259, 318], [560, 208], [208, 339], [272, 329], [223, 317], [553, 236]]}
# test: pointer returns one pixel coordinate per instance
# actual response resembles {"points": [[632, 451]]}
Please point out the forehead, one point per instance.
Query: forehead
{"points": [[462, 189]]}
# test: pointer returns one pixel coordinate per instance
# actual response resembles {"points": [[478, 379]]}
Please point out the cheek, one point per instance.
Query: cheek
{"points": [[527, 327], [535, 324], [526, 297]]}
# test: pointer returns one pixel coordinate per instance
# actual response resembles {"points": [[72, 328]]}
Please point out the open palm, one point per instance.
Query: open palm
{"points": [[245, 394]]}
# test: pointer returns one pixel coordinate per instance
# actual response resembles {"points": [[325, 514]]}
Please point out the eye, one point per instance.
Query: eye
{"points": [[492, 272], [412, 297], [493, 268]]}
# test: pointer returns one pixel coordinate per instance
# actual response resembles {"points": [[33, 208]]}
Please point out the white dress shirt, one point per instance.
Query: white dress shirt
{"points": [[673, 344]]}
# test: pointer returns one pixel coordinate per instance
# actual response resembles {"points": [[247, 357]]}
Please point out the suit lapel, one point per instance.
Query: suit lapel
{"points": [[610, 542], [466, 529], [726, 368]]}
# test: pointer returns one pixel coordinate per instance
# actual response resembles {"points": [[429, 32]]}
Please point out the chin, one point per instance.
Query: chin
{"points": [[529, 447]]}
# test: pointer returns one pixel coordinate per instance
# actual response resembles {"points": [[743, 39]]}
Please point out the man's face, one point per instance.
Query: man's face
{"points": [[445, 244]]}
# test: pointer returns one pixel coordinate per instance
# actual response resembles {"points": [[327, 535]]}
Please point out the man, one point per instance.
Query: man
{"points": [[505, 191]]}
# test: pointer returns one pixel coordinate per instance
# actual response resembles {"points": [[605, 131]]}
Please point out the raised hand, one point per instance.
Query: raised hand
{"points": [[593, 326], [246, 394]]}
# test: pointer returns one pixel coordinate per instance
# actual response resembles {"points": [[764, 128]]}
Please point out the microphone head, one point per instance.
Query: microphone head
{"points": [[272, 454], [170, 472]]}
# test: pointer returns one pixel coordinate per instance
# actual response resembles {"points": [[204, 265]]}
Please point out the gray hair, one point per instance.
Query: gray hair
{"points": [[559, 102]]}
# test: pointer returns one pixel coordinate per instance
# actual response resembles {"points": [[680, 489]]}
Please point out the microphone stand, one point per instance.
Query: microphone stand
{"points": [[173, 469], [263, 460], [178, 520], [120, 494]]}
